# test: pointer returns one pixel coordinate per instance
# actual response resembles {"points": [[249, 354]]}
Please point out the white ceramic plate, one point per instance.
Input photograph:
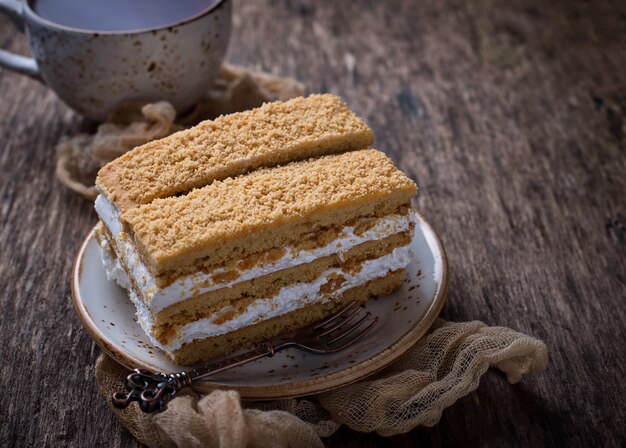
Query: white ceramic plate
{"points": [[405, 315]]}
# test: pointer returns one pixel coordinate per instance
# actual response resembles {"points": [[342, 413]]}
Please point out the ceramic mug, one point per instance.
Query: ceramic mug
{"points": [[93, 72]]}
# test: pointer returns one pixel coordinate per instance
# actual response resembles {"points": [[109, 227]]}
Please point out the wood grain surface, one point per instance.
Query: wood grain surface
{"points": [[509, 115]]}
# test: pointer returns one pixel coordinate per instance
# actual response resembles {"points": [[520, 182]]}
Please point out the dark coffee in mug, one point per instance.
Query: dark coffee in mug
{"points": [[118, 15]]}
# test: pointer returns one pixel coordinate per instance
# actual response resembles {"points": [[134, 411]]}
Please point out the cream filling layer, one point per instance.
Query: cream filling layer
{"points": [[112, 266], [185, 287], [289, 298]]}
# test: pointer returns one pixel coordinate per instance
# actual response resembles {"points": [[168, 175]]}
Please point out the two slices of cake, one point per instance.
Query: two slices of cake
{"points": [[253, 225]]}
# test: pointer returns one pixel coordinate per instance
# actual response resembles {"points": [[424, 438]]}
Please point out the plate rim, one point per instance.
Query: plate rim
{"points": [[319, 384]]}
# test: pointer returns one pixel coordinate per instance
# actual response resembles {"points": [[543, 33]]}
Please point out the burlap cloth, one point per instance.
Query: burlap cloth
{"points": [[444, 366]]}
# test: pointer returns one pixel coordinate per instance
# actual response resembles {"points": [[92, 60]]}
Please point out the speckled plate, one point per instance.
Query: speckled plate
{"points": [[109, 317]]}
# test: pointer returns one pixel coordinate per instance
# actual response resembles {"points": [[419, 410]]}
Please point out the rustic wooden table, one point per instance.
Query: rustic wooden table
{"points": [[510, 116]]}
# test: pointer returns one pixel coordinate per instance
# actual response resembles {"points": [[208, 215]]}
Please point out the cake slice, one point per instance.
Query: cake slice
{"points": [[268, 250]]}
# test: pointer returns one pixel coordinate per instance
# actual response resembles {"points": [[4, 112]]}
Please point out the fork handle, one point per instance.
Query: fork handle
{"points": [[152, 391], [263, 350]]}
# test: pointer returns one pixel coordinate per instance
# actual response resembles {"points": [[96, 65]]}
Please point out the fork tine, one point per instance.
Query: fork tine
{"points": [[343, 332], [334, 316], [341, 322], [355, 337]]}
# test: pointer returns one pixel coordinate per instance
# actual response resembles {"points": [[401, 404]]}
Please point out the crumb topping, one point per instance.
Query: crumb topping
{"points": [[207, 217], [230, 145]]}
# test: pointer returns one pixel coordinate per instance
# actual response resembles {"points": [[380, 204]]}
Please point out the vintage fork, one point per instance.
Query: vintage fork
{"points": [[154, 390]]}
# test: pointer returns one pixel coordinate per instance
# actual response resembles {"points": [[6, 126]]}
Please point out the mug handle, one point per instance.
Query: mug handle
{"points": [[20, 64]]}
